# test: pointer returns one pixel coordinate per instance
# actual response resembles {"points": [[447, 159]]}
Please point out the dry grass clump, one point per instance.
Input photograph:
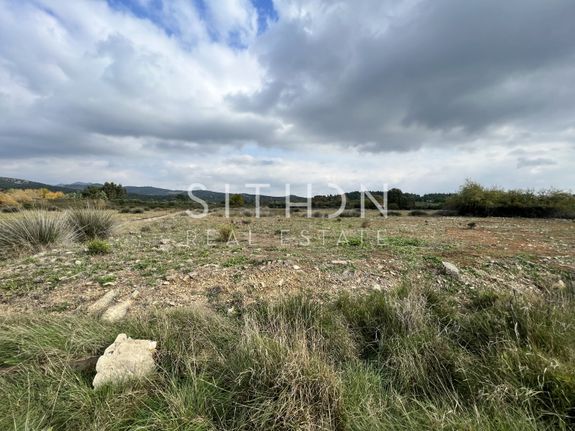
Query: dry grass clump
{"points": [[32, 230], [88, 223], [225, 233]]}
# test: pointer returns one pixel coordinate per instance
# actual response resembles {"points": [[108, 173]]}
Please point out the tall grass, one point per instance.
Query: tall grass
{"points": [[417, 358], [31, 230], [88, 223]]}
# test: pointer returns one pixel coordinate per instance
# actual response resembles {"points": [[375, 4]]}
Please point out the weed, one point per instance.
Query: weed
{"points": [[98, 246]]}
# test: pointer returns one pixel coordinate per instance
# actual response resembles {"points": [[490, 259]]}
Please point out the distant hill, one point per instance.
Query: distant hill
{"points": [[140, 192], [79, 186], [16, 183]]}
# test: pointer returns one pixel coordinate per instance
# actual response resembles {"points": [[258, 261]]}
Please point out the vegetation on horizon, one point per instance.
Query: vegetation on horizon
{"points": [[476, 200], [472, 199]]}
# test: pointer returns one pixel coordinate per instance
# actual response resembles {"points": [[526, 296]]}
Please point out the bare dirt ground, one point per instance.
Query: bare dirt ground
{"points": [[171, 260]]}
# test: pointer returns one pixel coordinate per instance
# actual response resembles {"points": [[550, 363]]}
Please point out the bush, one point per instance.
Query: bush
{"points": [[91, 223], [224, 233], [10, 209], [137, 211], [393, 214], [351, 213], [98, 246], [475, 200], [32, 230], [445, 213], [418, 213], [124, 211]]}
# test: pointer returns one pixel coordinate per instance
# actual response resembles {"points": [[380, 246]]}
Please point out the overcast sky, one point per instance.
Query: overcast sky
{"points": [[418, 94]]}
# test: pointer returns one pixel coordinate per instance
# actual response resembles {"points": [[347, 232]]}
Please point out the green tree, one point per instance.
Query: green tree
{"points": [[94, 192], [236, 200], [113, 191]]}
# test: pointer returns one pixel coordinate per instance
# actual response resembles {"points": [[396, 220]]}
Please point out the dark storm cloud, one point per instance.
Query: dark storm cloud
{"points": [[443, 65]]}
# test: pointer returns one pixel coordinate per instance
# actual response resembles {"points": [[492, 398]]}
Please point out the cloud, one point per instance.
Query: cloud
{"points": [[523, 162], [255, 91], [399, 75]]}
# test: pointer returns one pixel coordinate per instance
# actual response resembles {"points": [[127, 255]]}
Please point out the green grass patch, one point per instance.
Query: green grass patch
{"points": [[412, 358]]}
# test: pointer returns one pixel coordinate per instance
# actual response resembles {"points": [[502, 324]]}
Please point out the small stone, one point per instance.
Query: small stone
{"points": [[558, 285], [78, 262], [339, 262], [296, 267], [125, 359], [376, 287], [450, 269], [117, 312], [102, 303]]}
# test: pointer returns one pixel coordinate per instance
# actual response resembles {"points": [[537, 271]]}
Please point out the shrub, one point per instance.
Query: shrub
{"points": [[98, 246], [351, 213], [418, 213], [317, 214], [32, 230], [136, 211], [393, 214], [91, 223], [224, 233], [445, 213], [124, 211], [247, 213], [475, 200], [10, 209]]}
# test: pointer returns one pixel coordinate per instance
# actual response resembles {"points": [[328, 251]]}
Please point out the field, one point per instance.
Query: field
{"points": [[298, 323]]}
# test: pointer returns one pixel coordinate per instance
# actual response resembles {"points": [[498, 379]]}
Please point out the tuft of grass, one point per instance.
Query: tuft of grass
{"points": [[351, 213], [398, 241], [406, 358], [225, 232], [32, 230], [98, 246], [90, 223]]}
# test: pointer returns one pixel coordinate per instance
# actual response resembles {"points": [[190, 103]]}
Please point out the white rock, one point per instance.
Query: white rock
{"points": [[102, 303], [559, 285], [296, 267], [117, 312], [450, 269], [125, 359]]}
